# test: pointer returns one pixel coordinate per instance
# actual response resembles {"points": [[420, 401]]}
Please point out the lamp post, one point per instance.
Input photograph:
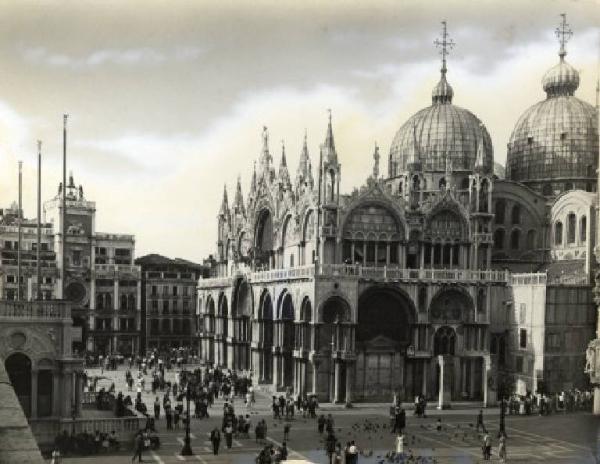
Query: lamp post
{"points": [[187, 449], [502, 429]]}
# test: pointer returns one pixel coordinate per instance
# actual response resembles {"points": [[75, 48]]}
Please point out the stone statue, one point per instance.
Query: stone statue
{"points": [[590, 360]]}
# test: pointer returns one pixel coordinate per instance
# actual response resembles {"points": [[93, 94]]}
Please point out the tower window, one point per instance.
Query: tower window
{"points": [[530, 140], [563, 136]]}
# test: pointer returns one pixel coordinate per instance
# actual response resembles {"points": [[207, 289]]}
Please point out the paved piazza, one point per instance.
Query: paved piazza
{"points": [[569, 438]]}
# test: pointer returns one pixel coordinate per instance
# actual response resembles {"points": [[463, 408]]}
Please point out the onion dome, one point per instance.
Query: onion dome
{"points": [[441, 133], [554, 145], [562, 79]]}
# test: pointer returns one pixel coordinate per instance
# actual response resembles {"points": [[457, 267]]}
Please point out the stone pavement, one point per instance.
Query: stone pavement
{"points": [[563, 438]]}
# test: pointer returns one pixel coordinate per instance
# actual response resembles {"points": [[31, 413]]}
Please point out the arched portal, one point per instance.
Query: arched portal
{"points": [[334, 336], [18, 367], [209, 328], [287, 339], [265, 319], [222, 329], [385, 324], [241, 310], [264, 239]]}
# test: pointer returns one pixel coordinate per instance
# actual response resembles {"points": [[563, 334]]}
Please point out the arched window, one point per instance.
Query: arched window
{"points": [[515, 239], [444, 341], [131, 302], [108, 301], [500, 211], [499, 239], [442, 183], [123, 301], [531, 239], [516, 214], [583, 229], [558, 232], [571, 224]]}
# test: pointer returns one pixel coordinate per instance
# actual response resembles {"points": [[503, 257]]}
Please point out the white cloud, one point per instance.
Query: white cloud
{"points": [[144, 56]]}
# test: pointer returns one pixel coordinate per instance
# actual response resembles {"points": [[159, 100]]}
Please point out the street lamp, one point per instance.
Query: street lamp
{"points": [[187, 449], [502, 429]]}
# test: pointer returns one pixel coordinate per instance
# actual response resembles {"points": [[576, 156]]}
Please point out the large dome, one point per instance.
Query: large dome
{"points": [[439, 132], [554, 145]]}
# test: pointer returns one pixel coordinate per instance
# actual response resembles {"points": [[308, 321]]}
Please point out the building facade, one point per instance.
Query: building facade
{"points": [[168, 302], [101, 280], [410, 284], [9, 246]]}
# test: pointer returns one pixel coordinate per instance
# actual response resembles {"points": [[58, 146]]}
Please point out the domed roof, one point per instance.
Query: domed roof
{"points": [[439, 132], [562, 79], [556, 138]]}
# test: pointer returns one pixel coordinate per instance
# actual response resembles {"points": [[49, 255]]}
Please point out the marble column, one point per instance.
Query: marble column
{"points": [[349, 381], [489, 395], [473, 369], [425, 370], [445, 391], [336, 381]]}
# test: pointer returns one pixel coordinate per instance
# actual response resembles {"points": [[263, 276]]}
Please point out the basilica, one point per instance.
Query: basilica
{"points": [[446, 276]]}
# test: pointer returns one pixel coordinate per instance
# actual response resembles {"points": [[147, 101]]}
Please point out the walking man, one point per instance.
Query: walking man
{"points": [[138, 447], [215, 438]]}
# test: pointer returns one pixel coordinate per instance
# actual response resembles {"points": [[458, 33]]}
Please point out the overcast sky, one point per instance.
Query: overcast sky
{"points": [[167, 99]]}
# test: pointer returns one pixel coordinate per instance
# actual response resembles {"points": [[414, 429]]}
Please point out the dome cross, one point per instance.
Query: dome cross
{"points": [[563, 33], [445, 45]]}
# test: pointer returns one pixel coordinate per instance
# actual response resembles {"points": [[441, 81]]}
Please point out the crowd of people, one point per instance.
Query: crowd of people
{"points": [[85, 443], [545, 404], [203, 385]]}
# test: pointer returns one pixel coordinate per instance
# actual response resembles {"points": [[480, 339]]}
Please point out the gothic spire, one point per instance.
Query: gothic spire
{"points": [[265, 158], [304, 171], [479, 163], [328, 147], [284, 175], [376, 162], [224, 211], [238, 203]]}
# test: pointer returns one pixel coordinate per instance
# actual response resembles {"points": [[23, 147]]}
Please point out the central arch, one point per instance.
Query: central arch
{"points": [[386, 317]]}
